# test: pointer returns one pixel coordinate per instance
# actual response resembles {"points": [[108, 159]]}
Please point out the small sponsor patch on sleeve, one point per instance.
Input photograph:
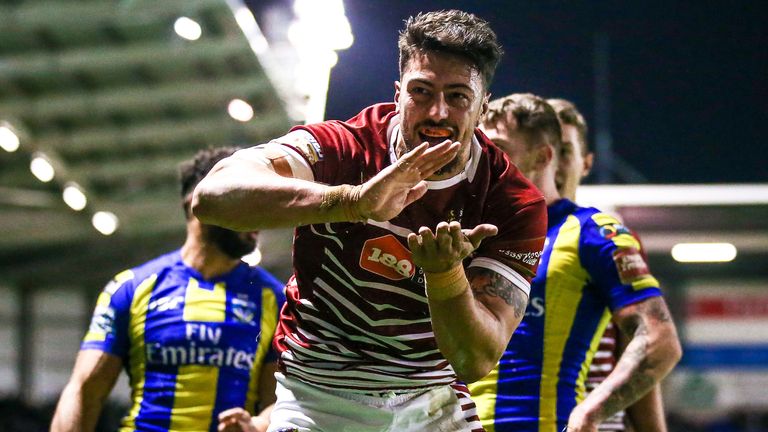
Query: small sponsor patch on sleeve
{"points": [[630, 265], [102, 324], [305, 143], [612, 230], [524, 255]]}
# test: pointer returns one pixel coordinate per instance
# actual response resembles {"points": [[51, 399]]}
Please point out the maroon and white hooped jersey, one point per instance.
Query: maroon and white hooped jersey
{"points": [[356, 316]]}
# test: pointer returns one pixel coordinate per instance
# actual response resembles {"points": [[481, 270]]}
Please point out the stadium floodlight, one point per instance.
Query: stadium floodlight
{"points": [[703, 252], [320, 29], [253, 258], [240, 110], [9, 141], [41, 168], [74, 197], [187, 28], [321, 23], [105, 222]]}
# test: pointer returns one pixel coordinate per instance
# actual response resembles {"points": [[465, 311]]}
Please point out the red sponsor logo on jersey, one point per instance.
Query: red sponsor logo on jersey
{"points": [[630, 265], [385, 256]]}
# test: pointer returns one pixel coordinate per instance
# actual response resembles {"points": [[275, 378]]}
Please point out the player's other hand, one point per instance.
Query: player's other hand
{"points": [[386, 194], [579, 421], [447, 246], [240, 420]]}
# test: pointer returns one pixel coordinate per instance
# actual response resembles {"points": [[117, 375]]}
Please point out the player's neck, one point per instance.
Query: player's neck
{"points": [[206, 258], [545, 182]]}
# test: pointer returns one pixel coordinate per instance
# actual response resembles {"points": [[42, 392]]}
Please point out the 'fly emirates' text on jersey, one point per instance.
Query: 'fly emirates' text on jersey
{"points": [[356, 315], [192, 347]]}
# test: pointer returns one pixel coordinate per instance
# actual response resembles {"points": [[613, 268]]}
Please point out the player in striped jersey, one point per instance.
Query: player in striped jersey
{"points": [[574, 164], [193, 330], [591, 268], [415, 243]]}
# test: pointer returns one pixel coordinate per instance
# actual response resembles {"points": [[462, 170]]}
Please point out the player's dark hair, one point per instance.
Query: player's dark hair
{"points": [[532, 115], [192, 171], [570, 115], [453, 32]]}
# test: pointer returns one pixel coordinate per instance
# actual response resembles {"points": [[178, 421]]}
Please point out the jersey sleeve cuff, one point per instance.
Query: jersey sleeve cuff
{"points": [[507, 272]]}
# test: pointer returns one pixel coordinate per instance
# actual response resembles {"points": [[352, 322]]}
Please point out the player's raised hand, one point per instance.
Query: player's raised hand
{"points": [[386, 194], [447, 246]]}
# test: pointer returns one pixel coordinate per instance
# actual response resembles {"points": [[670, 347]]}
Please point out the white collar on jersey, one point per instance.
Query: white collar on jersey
{"points": [[393, 133]]}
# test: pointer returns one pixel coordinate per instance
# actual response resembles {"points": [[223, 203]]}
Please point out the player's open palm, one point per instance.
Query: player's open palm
{"points": [[447, 246], [386, 194]]}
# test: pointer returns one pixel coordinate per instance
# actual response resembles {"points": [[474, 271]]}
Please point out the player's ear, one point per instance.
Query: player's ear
{"points": [[483, 108], [544, 155], [589, 159], [397, 92]]}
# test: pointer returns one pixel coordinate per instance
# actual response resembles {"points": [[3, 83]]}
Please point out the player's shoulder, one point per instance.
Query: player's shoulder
{"points": [[135, 275], [365, 132], [157, 265], [270, 286], [261, 275], [601, 226], [371, 121], [592, 217]]}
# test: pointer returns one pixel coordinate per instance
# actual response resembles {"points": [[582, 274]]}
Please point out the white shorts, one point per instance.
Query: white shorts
{"points": [[303, 407]]}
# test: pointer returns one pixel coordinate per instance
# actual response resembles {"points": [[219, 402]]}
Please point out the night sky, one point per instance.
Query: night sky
{"points": [[688, 80]]}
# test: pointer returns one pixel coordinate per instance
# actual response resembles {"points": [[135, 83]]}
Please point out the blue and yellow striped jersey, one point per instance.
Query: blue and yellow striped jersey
{"points": [[192, 347], [591, 265]]}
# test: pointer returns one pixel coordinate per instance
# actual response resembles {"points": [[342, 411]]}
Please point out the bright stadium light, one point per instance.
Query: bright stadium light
{"points": [[187, 28], [9, 141], [321, 23], [320, 29], [42, 168], [240, 110], [253, 258], [74, 197], [105, 222], [251, 29], [703, 252]]}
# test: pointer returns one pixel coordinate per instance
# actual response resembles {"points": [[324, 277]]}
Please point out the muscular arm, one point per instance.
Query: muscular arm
{"points": [[647, 414], [93, 377], [474, 315], [239, 420], [652, 352], [267, 395], [245, 193], [473, 329]]}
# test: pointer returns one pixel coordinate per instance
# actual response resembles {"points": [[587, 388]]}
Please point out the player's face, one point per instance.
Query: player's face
{"points": [[572, 166], [440, 97], [516, 145], [234, 244]]}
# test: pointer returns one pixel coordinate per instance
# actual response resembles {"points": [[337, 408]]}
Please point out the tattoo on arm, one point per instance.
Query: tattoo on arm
{"points": [[489, 283], [634, 362]]}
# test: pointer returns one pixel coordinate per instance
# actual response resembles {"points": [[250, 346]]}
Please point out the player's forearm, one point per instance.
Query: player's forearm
{"points": [[260, 422], [266, 200], [650, 356], [75, 412], [647, 414], [469, 334]]}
